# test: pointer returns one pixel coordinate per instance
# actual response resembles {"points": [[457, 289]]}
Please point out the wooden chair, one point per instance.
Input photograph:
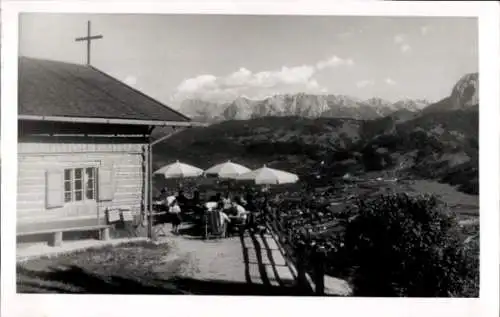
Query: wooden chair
{"points": [[213, 225], [238, 226]]}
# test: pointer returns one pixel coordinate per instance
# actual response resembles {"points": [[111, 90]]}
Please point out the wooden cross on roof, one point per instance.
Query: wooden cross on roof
{"points": [[88, 38]]}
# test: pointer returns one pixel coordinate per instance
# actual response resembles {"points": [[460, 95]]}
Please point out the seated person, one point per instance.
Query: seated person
{"points": [[181, 198], [250, 202], [226, 201], [214, 206], [196, 203], [196, 200], [211, 205], [225, 221], [243, 201], [241, 213], [223, 216]]}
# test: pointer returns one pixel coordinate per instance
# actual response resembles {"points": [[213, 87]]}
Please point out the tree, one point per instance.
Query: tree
{"points": [[399, 245]]}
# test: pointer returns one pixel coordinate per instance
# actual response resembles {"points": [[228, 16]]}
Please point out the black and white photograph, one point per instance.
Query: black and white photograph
{"points": [[248, 155]]}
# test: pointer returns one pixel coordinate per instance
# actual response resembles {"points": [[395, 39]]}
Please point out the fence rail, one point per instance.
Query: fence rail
{"points": [[309, 262]]}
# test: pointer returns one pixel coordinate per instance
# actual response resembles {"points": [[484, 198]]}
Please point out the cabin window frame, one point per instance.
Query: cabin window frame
{"points": [[78, 179]]}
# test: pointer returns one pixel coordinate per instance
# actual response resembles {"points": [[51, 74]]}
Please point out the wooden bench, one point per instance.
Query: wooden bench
{"points": [[56, 239]]}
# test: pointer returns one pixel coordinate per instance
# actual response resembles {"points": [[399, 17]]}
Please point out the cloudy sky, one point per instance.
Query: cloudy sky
{"points": [[172, 57]]}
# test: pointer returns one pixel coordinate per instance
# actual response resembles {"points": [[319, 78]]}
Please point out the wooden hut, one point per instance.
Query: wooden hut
{"points": [[83, 150]]}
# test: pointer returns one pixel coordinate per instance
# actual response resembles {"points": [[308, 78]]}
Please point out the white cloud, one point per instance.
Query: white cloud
{"points": [[334, 61], [197, 83], [239, 77], [293, 75], [313, 84], [255, 85], [405, 48], [365, 83], [390, 81]]}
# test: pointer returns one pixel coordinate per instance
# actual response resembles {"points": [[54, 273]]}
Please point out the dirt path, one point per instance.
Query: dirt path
{"points": [[249, 264], [248, 260]]}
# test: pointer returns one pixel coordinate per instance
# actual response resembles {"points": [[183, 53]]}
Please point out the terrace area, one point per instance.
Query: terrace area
{"points": [[250, 264], [176, 264]]}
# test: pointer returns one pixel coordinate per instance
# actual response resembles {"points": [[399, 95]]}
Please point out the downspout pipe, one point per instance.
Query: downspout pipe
{"points": [[150, 172]]}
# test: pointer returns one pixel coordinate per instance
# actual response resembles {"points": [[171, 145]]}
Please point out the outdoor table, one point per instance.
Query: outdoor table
{"points": [[237, 222]]}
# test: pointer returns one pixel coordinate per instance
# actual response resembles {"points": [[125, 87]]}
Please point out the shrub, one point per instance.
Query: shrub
{"points": [[399, 245]]}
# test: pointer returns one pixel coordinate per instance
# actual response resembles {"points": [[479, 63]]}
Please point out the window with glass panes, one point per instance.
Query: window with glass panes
{"points": [[79, 184]]}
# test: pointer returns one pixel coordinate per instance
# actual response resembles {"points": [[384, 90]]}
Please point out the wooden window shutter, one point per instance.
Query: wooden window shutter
{"points": [[54, 185], [106, 182]]}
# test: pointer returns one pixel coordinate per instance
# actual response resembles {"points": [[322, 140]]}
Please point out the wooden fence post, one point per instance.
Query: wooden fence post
{"points": [[301, 265], [319, 271]]}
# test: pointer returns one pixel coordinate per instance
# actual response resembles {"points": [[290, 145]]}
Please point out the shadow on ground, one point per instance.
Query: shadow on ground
{"points": [[192, 230], [73, 279]]}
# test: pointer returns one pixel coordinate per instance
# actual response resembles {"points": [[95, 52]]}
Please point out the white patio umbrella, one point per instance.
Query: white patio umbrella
{"points": [[227, 170], [269, 176], [179, 170]]}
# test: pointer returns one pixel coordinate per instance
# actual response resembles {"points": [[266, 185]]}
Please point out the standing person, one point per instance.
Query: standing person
{"points": [[226, 201], [168, 201], [181, 199], [175, 211]]}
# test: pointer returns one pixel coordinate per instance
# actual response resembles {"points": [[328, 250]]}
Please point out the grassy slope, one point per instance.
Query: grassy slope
{"points": [[134, 268]]}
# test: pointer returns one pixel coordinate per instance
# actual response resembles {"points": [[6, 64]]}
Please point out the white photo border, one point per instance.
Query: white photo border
{"points": [[117, 305]]}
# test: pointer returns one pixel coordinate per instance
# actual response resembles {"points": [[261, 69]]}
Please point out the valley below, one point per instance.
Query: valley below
{"points": [[435, 147], [344, 158]]}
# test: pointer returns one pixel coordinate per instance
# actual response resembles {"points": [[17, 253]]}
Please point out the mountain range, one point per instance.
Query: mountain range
{"points": [[301, 104], [440, 141]]}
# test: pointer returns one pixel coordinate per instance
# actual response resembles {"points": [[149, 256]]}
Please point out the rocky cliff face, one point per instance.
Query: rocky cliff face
{"points": [[465, 93], [202, 110]]}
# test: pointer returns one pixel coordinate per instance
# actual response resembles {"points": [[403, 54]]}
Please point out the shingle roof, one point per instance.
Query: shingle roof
{"points": [[50, 88]]}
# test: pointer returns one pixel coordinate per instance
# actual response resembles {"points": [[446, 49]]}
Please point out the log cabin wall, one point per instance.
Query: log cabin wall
{"points": [[46, 151]]}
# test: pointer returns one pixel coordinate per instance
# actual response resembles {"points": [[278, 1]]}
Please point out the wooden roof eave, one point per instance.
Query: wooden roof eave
{"points": [[155, 123]]}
